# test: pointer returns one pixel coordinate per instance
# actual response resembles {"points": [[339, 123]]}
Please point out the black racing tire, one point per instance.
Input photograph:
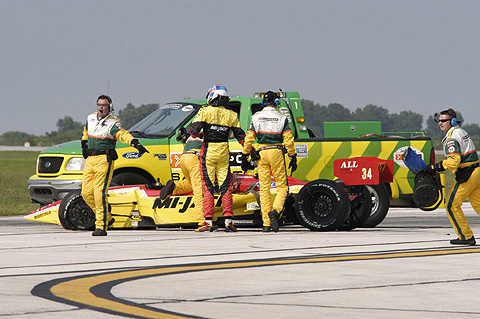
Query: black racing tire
{"points": [[322, 205], [380, 205], [75, 213], [361, 207], [129, 178]]}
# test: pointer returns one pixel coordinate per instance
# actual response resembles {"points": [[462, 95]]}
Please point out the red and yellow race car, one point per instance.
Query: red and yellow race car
{"points": [[319, 205]]}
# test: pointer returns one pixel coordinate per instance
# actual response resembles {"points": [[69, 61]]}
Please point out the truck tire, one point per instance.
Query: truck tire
{"points": [[380, 205], [128, 178], [361, 207], [74, 213], [322, 205]]}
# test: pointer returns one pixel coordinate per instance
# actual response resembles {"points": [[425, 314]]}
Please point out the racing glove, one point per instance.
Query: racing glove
{"points": [[293, 163], [85, 152], [437, 167], [245, 164], [139, 147]]}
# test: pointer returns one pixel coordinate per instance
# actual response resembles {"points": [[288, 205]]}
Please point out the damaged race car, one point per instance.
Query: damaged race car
{"points": [[319, 205]]}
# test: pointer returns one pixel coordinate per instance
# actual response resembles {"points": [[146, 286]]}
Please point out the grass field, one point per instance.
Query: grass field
{"points": [[15, 169]]}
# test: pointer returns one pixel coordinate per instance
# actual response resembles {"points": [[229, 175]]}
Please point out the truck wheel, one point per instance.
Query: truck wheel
{"points": [[380, 205], [361, 207], [128, 178], [75, 213], [322, 205]]}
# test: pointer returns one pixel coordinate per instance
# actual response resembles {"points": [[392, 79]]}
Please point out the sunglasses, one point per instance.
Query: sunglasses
{"points": [[98, 104], [444, 120]]}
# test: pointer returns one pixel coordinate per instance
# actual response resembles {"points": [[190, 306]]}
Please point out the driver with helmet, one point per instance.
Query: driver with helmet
{"points": [[217, 121]]}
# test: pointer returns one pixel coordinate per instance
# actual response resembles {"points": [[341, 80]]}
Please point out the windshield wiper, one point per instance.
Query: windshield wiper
{"points": [[139, 133]]}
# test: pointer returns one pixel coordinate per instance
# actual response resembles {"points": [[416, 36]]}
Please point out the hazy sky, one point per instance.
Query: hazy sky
{"points": [[56, 57]]}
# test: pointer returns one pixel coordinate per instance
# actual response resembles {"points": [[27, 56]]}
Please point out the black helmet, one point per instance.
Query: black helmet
{"points": [[269, 98]]}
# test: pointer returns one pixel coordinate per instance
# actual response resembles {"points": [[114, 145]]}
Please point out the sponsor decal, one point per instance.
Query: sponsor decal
{"points": [[131, 155], [175, 160], [451, 149], [397, 156], [253, 206], [187, 108], [284, 110], [183, 203], [349, 165], [172, 106], [235, 159], [162, 157], [302, 150]]}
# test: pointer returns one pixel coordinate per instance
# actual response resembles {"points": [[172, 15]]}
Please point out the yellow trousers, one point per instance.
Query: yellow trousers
{"points": [[272, 162], [190, 165], [97, 175], [458, 194]]}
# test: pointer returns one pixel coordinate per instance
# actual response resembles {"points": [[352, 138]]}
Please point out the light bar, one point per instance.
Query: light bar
{"points": [[259, 95]]}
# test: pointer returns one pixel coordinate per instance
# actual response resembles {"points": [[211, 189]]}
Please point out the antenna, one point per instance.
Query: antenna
{"points": [[108, 87]]}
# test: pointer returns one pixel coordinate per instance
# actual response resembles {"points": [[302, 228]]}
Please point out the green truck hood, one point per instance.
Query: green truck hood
{"points": [[72, 148]]}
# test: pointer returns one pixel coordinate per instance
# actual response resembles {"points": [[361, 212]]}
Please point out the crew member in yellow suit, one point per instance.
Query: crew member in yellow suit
{"points": [[462, 159], [271, 129], [217, 121], [100, 134], [190, 165]]}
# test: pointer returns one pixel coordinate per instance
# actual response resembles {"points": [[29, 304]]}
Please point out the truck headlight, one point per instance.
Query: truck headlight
{"points": [[75, 164]]}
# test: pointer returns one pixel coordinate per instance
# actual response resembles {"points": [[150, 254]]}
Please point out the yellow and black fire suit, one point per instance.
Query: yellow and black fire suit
{"points": [[461, 157], [190, 165], [217, 122], [271, 129], [101, 135]]}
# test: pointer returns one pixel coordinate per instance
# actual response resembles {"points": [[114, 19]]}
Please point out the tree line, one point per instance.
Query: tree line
{"points": [[315, 115]]}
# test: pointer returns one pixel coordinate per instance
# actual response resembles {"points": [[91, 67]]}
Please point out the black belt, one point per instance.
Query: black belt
{"points": [[97, 152], [270, 147], [192, 152]]}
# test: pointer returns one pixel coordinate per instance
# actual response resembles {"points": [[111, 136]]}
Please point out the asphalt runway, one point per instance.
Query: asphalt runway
{"points": [[403, 268]]}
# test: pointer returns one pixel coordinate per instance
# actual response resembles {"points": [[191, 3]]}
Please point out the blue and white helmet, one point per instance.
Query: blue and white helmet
{"points": [[216, 91]]}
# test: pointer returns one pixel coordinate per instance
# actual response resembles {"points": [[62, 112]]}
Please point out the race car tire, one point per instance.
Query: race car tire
{"points": [[129, 178], [75, 213], [322, 205], [380, 205], [361, 207]]}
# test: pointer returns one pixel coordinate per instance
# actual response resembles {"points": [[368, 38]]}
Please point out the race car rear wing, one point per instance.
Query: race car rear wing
{"points": [[363, 170]]}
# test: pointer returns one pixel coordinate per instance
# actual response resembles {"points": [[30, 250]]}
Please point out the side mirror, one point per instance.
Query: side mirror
{"points": [[182, 135]]}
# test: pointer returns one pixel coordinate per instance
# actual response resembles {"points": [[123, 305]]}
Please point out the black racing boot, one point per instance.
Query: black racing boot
{"points": [[273, 214], [99, 232], [167, 189], [469, 242], [266, 229]]}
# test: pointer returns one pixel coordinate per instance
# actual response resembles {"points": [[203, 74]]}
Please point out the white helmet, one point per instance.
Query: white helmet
{"points": [[217, 95]]}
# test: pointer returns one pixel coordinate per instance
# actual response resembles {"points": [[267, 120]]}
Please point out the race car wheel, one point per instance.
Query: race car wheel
{"points": [[322, 205], [361, 207], [129, 178], [380, 205], [75, 213]]}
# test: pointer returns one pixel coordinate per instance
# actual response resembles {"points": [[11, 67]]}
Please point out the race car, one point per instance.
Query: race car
{"points": [[319, 205]]}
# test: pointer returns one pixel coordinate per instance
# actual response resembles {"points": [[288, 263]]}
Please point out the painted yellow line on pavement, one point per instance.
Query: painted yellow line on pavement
{"points": [[79, 290]]}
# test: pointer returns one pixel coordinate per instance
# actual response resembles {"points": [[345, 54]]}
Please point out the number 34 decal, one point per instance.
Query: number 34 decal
{"points": [[366, 173]]}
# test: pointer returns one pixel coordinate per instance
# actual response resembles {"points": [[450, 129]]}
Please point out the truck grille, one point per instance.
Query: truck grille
{"points": [[49, 164]]}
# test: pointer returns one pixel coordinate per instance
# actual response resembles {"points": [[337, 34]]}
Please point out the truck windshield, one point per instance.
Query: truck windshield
{"points": [[165, 120]]}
